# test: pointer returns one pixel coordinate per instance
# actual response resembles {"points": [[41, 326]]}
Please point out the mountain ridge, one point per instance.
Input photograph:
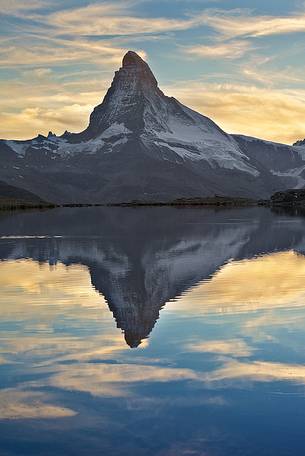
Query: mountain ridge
{"points": [[141, 144]]}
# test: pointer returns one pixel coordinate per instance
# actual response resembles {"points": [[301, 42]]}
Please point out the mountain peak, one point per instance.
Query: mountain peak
{"points": [[134, 88], [131, 58], [136, 69]]}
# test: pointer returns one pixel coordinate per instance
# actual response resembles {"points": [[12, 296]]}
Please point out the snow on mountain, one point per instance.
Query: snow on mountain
{"points": [[136, 100], [196, 137], [141, 144]]}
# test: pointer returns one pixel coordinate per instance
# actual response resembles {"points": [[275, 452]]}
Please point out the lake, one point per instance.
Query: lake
{"points": [[152, 331]]}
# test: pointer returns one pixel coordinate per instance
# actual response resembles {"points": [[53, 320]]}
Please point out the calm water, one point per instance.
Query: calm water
{"points": [[152, 332]]}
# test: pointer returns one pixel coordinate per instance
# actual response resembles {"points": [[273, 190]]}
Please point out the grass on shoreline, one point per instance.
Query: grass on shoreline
{"points": [[6, 204]]}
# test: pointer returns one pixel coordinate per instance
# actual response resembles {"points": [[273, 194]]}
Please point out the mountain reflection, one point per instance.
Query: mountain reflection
{"points": [[139, 259]]}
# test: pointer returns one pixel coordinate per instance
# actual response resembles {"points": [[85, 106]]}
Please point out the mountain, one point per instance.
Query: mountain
{"points": [[153, 257], [301, 142], [141, 144], [10, 195]]}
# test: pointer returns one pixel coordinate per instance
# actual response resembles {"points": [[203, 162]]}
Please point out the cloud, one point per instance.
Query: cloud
{"points": [[40, 72], [31, 121], [17, 6], [51, 51], [49, 102], [271, 77], [240, 23], [229, 50], [111, 19], [60, 40], [114, 19]]}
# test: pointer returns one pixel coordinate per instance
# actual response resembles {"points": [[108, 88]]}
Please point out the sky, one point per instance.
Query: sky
{"points": [[239, 62]]}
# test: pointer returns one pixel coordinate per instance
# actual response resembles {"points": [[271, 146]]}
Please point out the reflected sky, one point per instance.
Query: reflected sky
{"points": [[152, 332]]}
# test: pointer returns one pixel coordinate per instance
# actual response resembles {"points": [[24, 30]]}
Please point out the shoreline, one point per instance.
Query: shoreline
{"points": [[287, 199], [202, 203]]}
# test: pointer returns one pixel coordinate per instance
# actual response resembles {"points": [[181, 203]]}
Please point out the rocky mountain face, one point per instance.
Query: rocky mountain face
{"points": [[141, 144], [153, 257]]}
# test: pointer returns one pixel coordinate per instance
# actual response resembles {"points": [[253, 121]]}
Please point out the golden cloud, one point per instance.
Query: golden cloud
{"points": [[268, 113], [50, 104], [32, 278]]}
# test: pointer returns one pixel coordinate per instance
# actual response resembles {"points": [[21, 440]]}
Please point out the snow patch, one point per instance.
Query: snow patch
{"points": [[18, 147], [295, 173], [115, 129]]}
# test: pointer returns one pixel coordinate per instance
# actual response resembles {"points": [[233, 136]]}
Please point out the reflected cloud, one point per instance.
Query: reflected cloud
{"points": [[54, 284], [38, 296], [119, 380], [268, 282], [20, 405], [3, 360], [77, 284], [260, 371], [114, 380], [233, 347], [209, 265]]}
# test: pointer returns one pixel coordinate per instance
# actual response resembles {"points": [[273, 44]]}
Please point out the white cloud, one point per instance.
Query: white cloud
{"points": [[40, 73], [110, 19], [228, 50], [272, 77], [240, 22], [53, 51], [15, 6]]}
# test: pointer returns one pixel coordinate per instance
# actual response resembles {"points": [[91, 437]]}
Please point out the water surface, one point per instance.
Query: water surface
{"points": [[156, 332]]}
